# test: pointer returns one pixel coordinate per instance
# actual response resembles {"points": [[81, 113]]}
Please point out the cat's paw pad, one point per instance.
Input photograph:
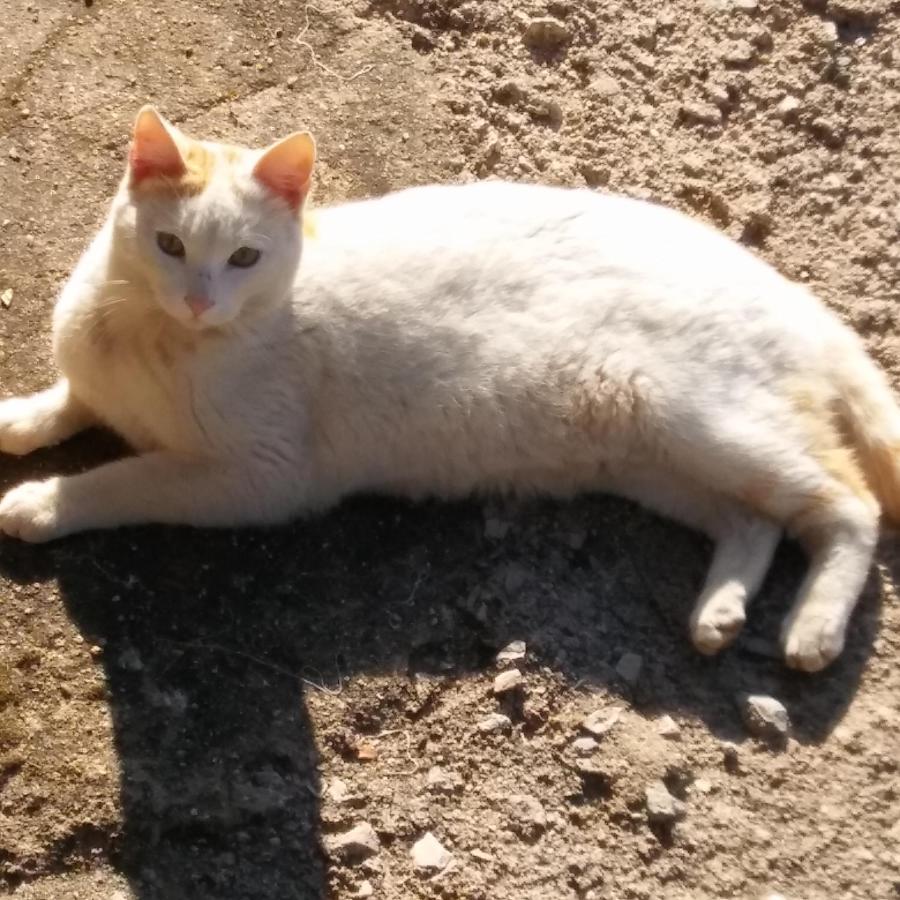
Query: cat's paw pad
{"points": [[813, 638], [22, 428], [30, 511], [717, 623]]}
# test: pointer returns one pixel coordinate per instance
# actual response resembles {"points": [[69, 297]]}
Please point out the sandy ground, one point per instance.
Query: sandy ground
{"points": [[188, 714]]}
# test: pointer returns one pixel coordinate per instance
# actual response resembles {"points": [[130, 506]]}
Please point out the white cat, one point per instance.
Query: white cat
{"points": [[444, 340]]}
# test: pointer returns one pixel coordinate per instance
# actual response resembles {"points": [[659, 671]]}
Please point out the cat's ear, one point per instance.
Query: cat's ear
{"points": [[286, 168], [153, 149]]}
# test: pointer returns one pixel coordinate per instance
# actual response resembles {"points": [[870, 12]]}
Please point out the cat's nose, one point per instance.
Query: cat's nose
{"points": [[198, 304]]}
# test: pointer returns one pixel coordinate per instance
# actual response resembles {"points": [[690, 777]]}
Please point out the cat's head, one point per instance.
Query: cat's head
{"points": [[214, 228]]}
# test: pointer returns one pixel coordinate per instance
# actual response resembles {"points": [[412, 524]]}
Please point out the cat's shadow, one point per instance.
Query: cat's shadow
{"points": [[212, 638]]}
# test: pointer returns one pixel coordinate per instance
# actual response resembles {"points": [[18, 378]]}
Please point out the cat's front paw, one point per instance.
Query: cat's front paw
{"points": [[813, 638], [22, 426], [30, 511]]}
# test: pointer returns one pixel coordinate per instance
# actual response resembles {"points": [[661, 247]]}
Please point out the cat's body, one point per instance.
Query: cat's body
{"points": [[445, 340]]}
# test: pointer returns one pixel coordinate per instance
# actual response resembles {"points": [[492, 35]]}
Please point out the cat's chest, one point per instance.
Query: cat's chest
{"points": [[142, 389]]}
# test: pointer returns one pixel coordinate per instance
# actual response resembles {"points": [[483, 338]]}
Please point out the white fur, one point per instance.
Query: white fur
{"points": [[444, 340]]}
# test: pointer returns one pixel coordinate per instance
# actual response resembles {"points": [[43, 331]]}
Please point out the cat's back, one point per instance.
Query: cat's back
{"points": [[568, 258], [495, 223]]}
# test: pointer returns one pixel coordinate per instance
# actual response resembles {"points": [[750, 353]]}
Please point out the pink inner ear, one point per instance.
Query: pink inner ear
{"points": [[283, 186], [286, 169], [145, 166], [153, 151]]}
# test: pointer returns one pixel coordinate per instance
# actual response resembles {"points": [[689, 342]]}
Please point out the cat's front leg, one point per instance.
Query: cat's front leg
{"points": [[42, 419], [159, 487]]}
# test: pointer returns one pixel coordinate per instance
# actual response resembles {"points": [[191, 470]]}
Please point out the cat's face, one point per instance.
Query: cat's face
{"points": [[215, 229]]}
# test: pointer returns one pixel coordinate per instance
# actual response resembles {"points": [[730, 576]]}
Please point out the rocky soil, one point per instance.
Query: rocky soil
{"points": [[482, 700]]}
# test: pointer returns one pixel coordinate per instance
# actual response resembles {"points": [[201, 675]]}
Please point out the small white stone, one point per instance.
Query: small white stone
{"points": [[667, 727], [662, 807], [494, 722], [338, 790], [429, 853], [702, 786], [601, 722], [765, 717], [358, 843], [703, 113], [584, 745], [787, 107], [440, 781], [511, 652], [507, 681]]}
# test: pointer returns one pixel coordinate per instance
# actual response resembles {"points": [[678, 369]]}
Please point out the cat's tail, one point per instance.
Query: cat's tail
{"points": [[872, 419]]}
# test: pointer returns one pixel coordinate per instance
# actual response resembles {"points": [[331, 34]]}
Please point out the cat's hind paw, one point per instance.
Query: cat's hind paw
{"points": [[813, 638], [716, 623], [30, 511]]}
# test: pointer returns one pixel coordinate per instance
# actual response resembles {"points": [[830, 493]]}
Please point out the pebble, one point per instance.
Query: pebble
{"points": [[440, 781], [702, 113], [527, 816], [494, 722], [830, 131], [693, 164], [584, 745], [429, 853], [6, 298], [702, 786], [667, 727], [662, 807], [338, 790], [129, 658], [738, 53], [509, 93], [422, 39], [764, 716], [731, 756], [511, 652], [357, 844], [507, 681], [744, 5], [14, 154], [719, 95], [829, 33], [546, 33], [601, 722], [365, 889], [605, 86], [787, 108], [629, 668]]}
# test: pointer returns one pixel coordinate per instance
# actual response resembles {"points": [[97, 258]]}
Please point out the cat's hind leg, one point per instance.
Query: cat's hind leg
{"points": [[839, 528], [742, 556], [41, 420], [817, 491], [744, 546]]}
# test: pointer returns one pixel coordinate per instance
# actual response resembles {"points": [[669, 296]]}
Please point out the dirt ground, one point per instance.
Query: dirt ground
{"points": [[193, 714]]}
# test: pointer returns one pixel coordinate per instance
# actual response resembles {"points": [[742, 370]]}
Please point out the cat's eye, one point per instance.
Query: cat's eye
{"points": [[169, 244], [244, 257]]}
